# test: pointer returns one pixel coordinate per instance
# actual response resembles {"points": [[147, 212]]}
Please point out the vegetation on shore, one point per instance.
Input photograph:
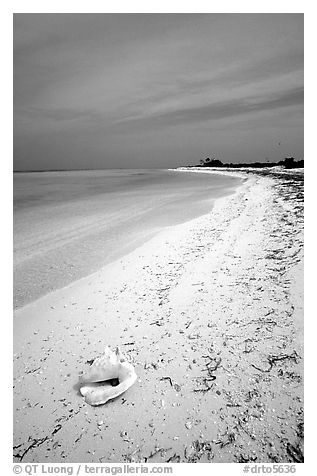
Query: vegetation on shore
{"points": [[288, 163]]}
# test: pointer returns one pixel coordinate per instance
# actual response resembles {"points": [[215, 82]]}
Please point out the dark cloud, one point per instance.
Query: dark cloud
{"points": [[220, 110]]}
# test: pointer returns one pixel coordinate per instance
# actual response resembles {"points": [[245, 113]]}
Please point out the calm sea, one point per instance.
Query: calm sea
{"points": [[69, 224]]}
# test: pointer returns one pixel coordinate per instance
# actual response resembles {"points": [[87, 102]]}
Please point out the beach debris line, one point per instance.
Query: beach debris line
{"points": [[295, 452], [176, 386], [211, 365], [34, 443], [110, 368], [272, 359], [158, 452], [197, 450]]}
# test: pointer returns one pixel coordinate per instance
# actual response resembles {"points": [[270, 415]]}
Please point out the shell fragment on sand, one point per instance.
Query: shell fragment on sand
{"points": [[97, 383]]}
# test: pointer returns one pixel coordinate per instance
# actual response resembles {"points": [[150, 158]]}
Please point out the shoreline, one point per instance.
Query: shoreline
{"points": [[204, 287], [59, 243], [157, 236]]}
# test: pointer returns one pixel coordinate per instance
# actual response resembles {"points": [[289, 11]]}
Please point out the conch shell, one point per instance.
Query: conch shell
{"points": [[97, 388]]}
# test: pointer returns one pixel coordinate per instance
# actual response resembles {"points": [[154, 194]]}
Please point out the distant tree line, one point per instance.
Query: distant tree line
{"points": [[288, 163]]}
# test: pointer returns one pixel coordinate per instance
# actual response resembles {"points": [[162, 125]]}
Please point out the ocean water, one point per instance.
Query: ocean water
{"points": [[69, 224]]}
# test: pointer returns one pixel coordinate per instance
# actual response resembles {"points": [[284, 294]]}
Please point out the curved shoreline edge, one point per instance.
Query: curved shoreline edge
{"points": [[139, 243], [224, 288]]}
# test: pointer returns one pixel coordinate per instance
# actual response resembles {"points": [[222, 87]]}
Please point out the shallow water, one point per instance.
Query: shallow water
{"points": [[69, 224]]}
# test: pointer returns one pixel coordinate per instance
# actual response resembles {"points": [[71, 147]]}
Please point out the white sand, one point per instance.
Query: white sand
{"points": [[225, 288]]}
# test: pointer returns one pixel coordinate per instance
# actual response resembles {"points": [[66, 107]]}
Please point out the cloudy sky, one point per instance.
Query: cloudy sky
{"points": [[152, 90]]}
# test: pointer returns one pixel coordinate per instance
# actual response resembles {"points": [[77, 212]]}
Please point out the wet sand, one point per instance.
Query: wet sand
{"points": [[210, 312]]}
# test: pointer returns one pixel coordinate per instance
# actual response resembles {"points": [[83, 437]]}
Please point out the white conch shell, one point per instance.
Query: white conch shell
{"points": [[111, 365]]}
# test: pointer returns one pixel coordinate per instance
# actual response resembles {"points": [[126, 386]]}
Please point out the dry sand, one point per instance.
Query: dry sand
{"points": [[211, 314]]}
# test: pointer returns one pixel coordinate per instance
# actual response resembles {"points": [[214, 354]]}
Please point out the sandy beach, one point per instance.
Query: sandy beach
{"points": [[210, 313]]}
